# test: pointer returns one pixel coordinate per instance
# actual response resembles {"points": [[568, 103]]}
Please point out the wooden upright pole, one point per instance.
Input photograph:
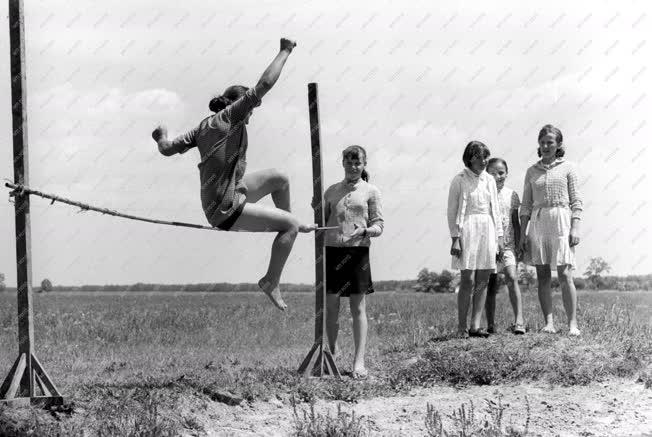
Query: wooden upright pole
{"points": [[325, 362], [26, 372]]}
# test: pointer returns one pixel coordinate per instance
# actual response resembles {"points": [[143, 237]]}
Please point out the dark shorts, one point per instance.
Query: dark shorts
{"points": [[348, 271], [226, 224]]}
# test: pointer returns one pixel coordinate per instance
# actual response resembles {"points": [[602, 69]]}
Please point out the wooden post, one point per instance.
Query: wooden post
{"points": [[325, 364], [18, 387]]}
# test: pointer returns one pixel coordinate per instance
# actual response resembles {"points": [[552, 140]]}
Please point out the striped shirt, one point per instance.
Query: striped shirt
{"points": [[551, 185], [222, 143], [348, 204]]}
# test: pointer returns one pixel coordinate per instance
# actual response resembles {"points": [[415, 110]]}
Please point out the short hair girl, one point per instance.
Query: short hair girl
{"points": [[477, 233]]}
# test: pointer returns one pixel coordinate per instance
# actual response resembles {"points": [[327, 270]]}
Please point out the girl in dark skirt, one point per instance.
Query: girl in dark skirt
{"points": [[354, 206]]}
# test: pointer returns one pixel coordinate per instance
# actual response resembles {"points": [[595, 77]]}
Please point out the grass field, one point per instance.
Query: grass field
{"points": [[109, 353]]}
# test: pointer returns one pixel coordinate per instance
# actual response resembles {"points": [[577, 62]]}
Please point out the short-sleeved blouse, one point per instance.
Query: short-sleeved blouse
{"points": [[222, 143]]}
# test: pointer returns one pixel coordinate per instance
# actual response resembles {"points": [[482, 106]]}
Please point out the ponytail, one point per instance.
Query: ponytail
{"points": [[364, 176], [218, 103], [231, 94]]}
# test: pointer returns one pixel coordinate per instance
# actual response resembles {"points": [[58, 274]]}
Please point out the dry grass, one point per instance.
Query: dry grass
{"points": [[123, 355]]}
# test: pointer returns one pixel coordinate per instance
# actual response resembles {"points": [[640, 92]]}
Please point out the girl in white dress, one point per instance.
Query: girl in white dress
{"points": [[552, 207], [477, 234]]}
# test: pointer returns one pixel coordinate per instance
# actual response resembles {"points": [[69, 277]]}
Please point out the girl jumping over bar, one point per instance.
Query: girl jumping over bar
{"points": [[228, 195]]}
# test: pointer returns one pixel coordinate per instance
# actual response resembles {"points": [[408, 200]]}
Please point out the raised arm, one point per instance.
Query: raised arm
{"points": [[273, 71], [238, 111]]}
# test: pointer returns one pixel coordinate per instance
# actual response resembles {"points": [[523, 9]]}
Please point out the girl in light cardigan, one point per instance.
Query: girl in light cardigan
{"points": [[476, 229], [353, 205], [552, 206]]}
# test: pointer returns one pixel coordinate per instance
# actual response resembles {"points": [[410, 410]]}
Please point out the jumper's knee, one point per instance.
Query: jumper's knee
{"points": [[280, 179]]}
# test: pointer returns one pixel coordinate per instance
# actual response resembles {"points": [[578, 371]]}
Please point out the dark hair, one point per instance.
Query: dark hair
{"points": [[493, 161], [475, 148], [357, 152], [231, 94], [550, 129]]}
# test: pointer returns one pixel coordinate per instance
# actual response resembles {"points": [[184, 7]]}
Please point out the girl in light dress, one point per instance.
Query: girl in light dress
{"points": [[476, 231], [550, 217]]}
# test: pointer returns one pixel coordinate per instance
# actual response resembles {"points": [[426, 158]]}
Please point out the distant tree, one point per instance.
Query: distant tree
{"points": [[426, 281], [431, 282], [2, 282], [527, 276], [445, 282], [597, 266], [580, 283], [46, 285]]}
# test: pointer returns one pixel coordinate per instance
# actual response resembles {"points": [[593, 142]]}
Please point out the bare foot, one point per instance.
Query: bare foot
{"points": [[307, 228], [549, 329], [273, 292], [359, 373], [574, 331]]}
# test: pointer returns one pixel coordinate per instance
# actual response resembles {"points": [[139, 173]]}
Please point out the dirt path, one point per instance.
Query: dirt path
{"points": [[616, 408]]}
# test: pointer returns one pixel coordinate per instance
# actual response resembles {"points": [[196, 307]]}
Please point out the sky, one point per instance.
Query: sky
{"points": [[412, 82]]}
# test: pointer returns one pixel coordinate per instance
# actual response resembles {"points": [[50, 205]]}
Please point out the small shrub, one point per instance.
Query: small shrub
{"points": [[141, 421], [580, 283], [646, 379], [467, 424], [343, 424]]}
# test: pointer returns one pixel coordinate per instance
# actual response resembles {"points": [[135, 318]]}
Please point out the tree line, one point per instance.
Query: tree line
{"points": [[595, 278], [46, 286]]}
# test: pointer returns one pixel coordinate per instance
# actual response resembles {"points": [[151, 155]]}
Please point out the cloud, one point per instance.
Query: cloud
{"points": [[101, 103]]}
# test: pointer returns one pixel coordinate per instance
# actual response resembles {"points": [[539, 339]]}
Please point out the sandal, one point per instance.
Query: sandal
{"points": [[360, 374], [481, 332], [518, 329]]}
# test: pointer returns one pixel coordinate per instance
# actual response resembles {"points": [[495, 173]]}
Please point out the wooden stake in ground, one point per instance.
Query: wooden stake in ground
{"points": [[18, 387], [324, 364]]}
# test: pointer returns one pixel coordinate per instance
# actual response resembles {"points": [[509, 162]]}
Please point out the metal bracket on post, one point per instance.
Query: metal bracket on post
{"points": [[324, 363]]}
